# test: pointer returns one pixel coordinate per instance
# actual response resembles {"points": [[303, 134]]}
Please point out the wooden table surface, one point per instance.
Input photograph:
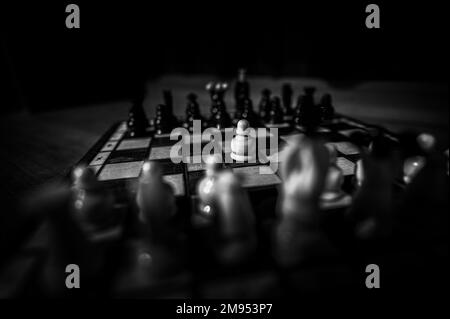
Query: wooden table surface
{"points": [[37, 148]]}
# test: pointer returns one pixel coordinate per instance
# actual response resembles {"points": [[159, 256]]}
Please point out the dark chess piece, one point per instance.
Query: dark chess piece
{"points": [[163, 122], [264, 105], [326, 107], [286, 95], [168, 102], [192, 112], [276, 113], [137, 120], [248, 113], [307, 114], [219, 116], [241, 92]]}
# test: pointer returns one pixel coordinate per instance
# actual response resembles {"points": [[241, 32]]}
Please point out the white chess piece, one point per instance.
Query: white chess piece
{"points": [[243, 145], [334, 178], [205, 188]]}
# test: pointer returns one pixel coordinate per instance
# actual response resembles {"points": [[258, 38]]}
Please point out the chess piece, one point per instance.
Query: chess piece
{"points": [[243, 145], [192, 112], [298, 236], [424, 144], [275, 113], [234, 220], [241, 92], [334, 179], [168, 102], [373, 202], [307, 114], [92, 204], [247, 112], [205, 188], [219, 116], [326, 107], [265, 105], [162, 120], [155, 200], [137, 120], [286, 95]]}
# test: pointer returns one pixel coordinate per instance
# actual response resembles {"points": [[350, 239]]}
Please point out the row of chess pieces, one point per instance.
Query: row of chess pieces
{"points": [[273, 110], [82, 218]]}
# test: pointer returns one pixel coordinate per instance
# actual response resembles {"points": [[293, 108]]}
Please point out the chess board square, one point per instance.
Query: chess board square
{"points": [[168, 167], [133, 143], [122, 127], [109, 146], [99, 159], [346, 148], [160, 152], [257, 176], [120, 171], [127, 156], [348, 167], [177, 183], [163, 140], [195, 163]]}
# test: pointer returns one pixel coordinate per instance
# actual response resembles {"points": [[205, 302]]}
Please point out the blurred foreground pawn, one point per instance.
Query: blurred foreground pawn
{"points": [[155, 200], [137, 120], [157, 254], [423, 144], [371, 211], [298, 236], [264, 105], [335, 178], [206, 189], [234, 220], [92, 204], [243, 144]]}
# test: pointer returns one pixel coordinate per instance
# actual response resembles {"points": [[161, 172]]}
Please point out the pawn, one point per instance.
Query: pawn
{"points": [[264, 105], [92, 204], [276, 113], [326, 107], [298, 235], [334, 179], [234, 220], [155, 200], [205, 188], [243, 145]]}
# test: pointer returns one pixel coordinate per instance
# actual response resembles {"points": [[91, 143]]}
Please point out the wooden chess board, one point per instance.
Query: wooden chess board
{"points": [[118, 158]]}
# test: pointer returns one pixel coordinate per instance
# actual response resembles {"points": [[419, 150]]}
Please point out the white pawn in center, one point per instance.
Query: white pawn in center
{"points": [[243, 145]]}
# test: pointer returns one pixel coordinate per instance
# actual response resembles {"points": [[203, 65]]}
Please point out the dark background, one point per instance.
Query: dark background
{"points": [[120, 44]]}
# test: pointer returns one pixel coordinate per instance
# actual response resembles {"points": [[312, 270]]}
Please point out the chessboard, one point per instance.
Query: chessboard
{"points": [[117, 160]]}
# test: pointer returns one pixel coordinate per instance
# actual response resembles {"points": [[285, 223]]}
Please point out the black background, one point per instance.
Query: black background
{"points": [[121, 44]]}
